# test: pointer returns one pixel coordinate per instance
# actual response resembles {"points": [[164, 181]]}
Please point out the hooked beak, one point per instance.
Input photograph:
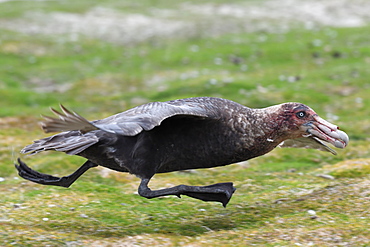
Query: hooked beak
{"points": [[327, 132]]}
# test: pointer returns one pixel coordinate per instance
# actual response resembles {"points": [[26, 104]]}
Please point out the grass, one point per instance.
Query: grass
{"points": [[326, 68]]}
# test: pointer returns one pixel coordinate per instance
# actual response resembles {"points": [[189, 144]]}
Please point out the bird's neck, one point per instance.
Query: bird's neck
{"points": [[260, 125]]}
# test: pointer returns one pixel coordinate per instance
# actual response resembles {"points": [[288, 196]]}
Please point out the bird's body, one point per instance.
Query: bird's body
{"points": [[181, 134], [182, 142]]}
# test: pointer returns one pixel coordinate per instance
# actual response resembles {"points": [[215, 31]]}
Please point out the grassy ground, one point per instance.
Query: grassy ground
{"points": [[282, 199]]}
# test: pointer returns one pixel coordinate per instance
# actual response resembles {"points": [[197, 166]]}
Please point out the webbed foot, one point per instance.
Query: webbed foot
{"points": [[221, 192], [27, 173]]}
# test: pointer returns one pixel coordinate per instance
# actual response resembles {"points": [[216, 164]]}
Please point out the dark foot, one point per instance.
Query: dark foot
{"points": [[27, 173], [222, 193]]}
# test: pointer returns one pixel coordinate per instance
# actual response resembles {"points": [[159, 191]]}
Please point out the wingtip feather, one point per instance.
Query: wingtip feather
{"points": [[66, 121]]}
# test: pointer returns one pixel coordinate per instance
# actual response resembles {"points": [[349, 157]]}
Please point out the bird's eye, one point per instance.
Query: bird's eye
{"points": [[301, 114]]}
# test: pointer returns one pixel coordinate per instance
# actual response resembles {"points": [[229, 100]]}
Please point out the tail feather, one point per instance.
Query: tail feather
{"points": [[77, 134], [67, 121], [79, 149], [71, 143]]}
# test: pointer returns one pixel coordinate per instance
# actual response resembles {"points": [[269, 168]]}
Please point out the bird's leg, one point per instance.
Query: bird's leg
{"points": [[220, 192], [27, 173]]}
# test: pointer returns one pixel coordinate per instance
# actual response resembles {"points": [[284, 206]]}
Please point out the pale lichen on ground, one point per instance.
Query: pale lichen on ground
{"points": [[191, 19]]}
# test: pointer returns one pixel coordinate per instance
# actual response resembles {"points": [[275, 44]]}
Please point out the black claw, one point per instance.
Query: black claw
{"points": [[24, 170]]}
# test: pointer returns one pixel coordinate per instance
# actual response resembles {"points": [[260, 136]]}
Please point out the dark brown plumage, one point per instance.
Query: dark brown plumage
{"points": [[181, 134]]}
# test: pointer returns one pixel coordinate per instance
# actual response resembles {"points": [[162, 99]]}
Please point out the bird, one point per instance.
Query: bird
{"points": [[177, 135]]}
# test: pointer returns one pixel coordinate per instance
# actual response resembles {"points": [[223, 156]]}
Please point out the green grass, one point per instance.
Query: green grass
{"points": [[98, 78]]}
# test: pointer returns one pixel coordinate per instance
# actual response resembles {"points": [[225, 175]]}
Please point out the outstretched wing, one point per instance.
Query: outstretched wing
{"points": [[133, 121], [148, 116], [79, 134]]}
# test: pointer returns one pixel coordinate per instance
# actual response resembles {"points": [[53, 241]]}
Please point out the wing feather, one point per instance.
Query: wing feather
{"points": [[78, 133], [148, 116], [66, 121], [133, 121]]}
